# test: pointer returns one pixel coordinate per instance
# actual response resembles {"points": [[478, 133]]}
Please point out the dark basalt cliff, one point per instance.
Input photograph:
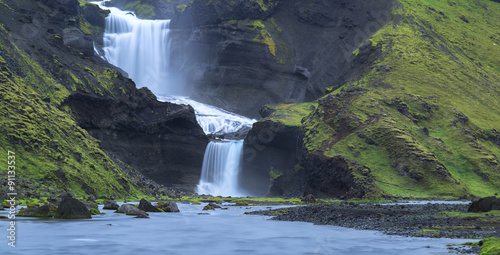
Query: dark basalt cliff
{"points": [[74, 120], [162, 140], [241, 55]]}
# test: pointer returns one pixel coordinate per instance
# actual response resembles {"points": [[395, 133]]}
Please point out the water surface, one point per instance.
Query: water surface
{"points": [[219, 232]]}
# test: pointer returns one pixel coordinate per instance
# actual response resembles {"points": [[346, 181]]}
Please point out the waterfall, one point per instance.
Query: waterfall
{"points": [[142, 49], [219, 175], [139, 47]]}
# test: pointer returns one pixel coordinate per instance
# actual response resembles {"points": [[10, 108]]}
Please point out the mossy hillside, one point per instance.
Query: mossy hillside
{"points": [[49, 145], [490, 246], [457, 66], [290, 114], [423, 117]]}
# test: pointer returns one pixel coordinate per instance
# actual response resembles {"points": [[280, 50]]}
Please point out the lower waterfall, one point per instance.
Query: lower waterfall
{"points": [[221, 164]]}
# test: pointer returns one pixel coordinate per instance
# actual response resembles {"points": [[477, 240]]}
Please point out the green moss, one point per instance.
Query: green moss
{"points": [[181, 7], [264, 6], [145, 11], [490, 246], [290, 114], [266, 38], [241, 203]]}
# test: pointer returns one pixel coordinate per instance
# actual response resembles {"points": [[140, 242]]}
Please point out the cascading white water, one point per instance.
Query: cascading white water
{"points": [[212, 119], [142, 49], [219, 175]]}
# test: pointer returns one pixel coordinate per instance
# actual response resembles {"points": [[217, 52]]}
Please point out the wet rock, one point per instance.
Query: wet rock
{"points": [[241, 203], [168, 206], [308, 199], [129, 209], [46, 210], [72, 208], [208, 207], [111, 205], [485, 204], [147, 206]]}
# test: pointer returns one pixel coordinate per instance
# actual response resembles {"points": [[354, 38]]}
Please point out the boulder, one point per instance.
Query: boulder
{"points": [[46, 210], [72, 208], [147, 206], [208, 207], [241, 203], [168, 206], [129, 209], [485, 204], [309, 199], [111, 205]]}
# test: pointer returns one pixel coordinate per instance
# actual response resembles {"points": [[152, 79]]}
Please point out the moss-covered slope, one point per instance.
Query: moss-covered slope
{"points": [[425, 117], [36, 77]]}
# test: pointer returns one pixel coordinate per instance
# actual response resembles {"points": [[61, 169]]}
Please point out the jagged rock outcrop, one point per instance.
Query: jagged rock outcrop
{"points": [[161, 140], [240, 55]]}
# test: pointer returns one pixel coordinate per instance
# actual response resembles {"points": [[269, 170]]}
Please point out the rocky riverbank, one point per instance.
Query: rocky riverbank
{"points": [[416, 220]]}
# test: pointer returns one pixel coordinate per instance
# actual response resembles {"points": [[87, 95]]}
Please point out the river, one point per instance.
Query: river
{"points": [[219, 232]]}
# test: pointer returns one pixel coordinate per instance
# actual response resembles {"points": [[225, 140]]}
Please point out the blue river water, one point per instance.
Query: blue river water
{"points": [[218, 232]]}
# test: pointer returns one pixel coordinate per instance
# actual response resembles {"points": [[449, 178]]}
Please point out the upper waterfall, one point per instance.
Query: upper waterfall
{"points": [[141, 48]]}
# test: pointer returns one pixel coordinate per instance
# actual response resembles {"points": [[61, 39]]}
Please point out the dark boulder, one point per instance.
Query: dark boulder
{"points": [[147, 206], [72, 208], [111, 205], [129, 209], [46, 210], [168, 206], [308, 199], [485, 204]]}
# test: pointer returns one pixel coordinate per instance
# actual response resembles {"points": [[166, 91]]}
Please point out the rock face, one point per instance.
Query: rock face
{"points": [[72, 208], [240, 55], [485, 204], [161, 140], [151, 9], [269, 147]]}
